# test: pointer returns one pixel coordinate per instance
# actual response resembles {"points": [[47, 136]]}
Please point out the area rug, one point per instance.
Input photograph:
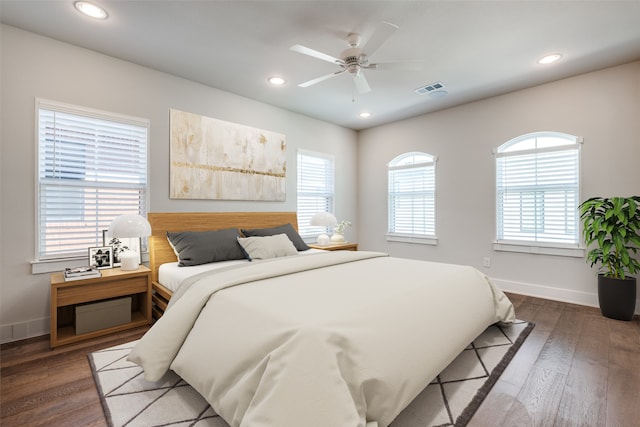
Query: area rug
{"points": [[450, 400]]}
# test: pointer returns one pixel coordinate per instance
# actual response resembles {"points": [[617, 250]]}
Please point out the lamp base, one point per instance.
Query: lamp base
{"points": [[129, 260], [323, 240]]}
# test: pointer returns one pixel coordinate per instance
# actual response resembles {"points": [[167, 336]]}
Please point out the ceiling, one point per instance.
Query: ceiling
{"points": [[477, 49]]}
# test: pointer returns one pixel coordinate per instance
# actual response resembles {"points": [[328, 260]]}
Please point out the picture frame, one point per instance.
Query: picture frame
{"points": [[121, 244], [101, 257]]}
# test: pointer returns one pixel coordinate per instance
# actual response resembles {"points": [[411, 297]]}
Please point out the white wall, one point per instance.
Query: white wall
{"points": [[603, 107], [34, 66]]}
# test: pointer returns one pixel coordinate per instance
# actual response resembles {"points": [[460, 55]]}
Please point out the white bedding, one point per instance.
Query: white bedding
{"points": [[334, 339], [171, 275]]}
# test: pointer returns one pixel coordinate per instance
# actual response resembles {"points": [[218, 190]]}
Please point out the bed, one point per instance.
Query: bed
{"points": [[327, 339], [161, 253]]}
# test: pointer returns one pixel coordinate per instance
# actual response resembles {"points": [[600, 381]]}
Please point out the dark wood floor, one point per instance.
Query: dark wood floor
{"points": [[577, 368]]}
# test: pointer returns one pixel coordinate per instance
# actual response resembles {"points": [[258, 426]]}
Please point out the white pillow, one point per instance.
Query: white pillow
{"points": [[264, 247]]}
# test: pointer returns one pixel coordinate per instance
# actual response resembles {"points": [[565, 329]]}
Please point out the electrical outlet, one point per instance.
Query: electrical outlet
{"points": [[486, 262]]}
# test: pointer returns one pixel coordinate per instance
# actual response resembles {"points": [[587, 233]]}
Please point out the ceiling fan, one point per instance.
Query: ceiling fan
{"points": [[355, 59]]}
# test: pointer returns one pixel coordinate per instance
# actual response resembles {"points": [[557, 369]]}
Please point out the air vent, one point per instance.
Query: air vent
{"points": [[429, 88]]}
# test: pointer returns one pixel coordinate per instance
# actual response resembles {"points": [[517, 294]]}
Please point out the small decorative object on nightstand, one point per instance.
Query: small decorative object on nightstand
{"points": [[338, 232]]}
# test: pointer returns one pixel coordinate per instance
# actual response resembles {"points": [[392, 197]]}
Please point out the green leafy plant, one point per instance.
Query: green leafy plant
{"points": [[613, 226], [341, 226]]}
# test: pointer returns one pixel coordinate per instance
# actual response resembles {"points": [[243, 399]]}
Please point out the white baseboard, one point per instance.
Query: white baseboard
{"points": [[23, 330], [551, 293]]}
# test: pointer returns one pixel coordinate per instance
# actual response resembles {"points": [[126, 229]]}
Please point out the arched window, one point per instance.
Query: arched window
{"points": [[412, 197], [537, 190]]}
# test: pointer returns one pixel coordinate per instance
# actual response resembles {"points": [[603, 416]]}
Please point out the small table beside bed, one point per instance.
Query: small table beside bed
{"points": [[331, 338]]}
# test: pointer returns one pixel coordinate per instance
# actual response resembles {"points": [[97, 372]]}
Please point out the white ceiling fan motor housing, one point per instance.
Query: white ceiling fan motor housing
{"points": [[353, 60]]}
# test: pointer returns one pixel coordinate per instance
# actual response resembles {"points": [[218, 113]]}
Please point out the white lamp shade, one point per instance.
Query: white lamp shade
{"points": [[323, 219], [130, 226]]}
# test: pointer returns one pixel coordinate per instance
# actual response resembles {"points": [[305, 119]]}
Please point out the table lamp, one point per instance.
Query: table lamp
{"points": [[132, 225], [323, 219]]}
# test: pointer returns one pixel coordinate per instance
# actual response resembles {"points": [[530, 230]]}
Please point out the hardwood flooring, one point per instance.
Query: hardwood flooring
{"points": [[44, 387], [576, 368]]}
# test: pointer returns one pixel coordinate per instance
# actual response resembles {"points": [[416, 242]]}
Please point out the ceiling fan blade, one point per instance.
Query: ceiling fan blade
{"points": [[320, 79], [384, 31], [362, 86], [314, 53], [401, 65]]}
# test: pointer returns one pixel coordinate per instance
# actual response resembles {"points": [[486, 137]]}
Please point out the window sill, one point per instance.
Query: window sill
{"points": [[568, 251], [418, 240], [54, 265]]}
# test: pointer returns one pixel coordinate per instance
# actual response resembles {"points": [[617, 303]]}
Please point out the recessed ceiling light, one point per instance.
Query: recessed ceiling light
{"points": [[276, 80], [549, 58], [91, 10], [364, 115]]}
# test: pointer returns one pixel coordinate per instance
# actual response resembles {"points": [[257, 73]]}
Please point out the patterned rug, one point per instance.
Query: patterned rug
{"points": [[450, 400]]}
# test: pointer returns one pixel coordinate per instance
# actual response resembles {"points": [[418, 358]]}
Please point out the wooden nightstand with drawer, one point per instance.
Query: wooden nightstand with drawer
{"points": [[67, 296]]}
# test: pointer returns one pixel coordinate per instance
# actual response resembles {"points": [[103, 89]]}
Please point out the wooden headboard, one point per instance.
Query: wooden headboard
{"points": [[160, 251]]}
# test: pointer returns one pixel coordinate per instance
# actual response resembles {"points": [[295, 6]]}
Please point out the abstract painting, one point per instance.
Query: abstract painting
{"points": [[215, 159]]}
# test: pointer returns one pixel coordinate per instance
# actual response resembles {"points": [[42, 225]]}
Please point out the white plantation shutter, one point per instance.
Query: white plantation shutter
{"points": [[315, 189], [537, 189], [412, 188], [92, 167]]}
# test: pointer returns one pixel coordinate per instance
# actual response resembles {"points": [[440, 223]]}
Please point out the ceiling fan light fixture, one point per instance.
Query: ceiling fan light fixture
{"points": [[549, 59], [276, 80], [353, 69], [91, 10]]}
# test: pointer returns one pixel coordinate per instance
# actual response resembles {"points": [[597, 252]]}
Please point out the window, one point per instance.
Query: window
{"points": [[315, 189], [92, 167], [537, 190], [412, 198]]}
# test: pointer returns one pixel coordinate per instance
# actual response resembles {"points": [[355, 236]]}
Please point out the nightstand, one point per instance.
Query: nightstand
{"points": [[348, 246], [114, 283]]}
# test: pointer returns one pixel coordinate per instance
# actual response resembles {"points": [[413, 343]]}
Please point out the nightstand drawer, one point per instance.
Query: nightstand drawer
{"points": [[103, 290]]}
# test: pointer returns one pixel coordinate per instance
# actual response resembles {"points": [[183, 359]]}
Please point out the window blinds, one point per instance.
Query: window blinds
{"points": [[315, 189], [412, 199], [537, 195], [92, 167]]}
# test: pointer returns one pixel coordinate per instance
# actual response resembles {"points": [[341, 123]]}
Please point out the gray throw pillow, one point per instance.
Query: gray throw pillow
{"points": [[203, 247], [287, 229]]}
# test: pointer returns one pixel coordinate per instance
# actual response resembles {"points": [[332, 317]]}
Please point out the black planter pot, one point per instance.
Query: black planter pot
{"points": [[617, 297]]}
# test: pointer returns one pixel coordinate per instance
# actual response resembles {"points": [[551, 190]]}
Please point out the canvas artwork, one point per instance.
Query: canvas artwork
{"points": [[215, 159]]}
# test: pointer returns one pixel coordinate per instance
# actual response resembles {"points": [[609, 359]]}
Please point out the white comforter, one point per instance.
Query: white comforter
{"points": [[338, 339]]}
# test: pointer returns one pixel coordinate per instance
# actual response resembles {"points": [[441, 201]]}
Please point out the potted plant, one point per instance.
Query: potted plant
{"points": [[612, 226], [338, 232]]}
